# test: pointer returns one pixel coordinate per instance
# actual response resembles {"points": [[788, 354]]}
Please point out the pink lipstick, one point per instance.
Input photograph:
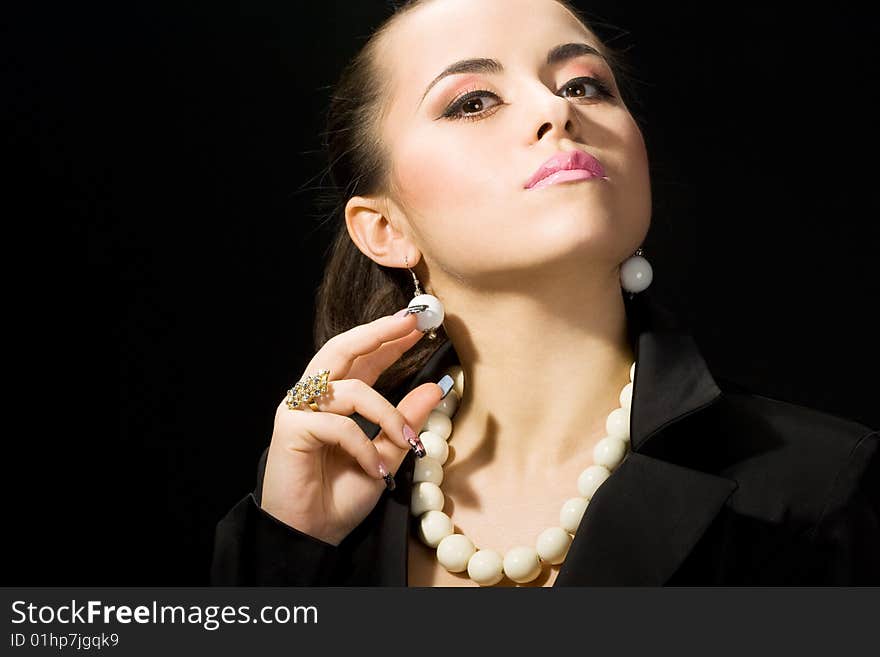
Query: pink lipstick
{"points": [[565, 166]]}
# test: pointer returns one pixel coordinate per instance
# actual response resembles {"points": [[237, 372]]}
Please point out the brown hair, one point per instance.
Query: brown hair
{"points": [[356, 289]]}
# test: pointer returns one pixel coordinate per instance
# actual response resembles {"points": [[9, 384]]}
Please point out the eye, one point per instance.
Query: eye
{"points": [[470, 100], [603, 88]]}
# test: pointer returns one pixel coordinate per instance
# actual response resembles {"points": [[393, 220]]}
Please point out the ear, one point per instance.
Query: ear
{"points": [[370, 229]]}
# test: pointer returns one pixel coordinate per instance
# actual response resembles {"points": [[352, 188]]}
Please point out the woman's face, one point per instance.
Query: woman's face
{"points": [[458, 180]]}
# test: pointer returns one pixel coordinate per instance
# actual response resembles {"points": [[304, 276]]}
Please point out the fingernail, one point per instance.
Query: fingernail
{"points": [[413, 440], [387, 476], [401, 312], [446, 384]]}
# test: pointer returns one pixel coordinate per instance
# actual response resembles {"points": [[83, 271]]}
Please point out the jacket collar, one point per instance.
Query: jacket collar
{"points": [[647, 517], [672, 379]]}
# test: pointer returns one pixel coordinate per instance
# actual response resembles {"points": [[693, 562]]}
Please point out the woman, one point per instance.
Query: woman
{"points": [[591, 444]]}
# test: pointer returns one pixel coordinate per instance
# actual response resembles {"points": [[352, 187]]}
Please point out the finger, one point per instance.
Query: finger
{"points": [[316, 430], [415, 408], [350, 396], [369, 367], [339, 352]]}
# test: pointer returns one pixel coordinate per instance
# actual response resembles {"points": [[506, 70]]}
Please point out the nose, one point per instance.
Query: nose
{"points": [[559, 118]]}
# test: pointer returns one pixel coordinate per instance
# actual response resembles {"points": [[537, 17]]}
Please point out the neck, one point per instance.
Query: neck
{"points": [[544, 364]]}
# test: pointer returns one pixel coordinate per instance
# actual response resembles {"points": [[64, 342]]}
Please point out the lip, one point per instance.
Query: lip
{"points": [[567, 161]]}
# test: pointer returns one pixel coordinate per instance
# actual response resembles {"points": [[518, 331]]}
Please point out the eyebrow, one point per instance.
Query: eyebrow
{"points": [[560, 53]]}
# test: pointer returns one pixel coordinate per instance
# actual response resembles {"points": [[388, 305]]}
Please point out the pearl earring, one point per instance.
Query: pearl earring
{"points": [[636, 273], [430, 311]]}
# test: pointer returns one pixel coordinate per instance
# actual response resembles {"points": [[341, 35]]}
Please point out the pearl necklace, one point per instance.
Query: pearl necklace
{"points": [[456, 552]]}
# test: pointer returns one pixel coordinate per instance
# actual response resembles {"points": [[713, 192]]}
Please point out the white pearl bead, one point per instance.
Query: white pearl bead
{"points": [[608, 452], [435, 446], [617, 423], [439, 423], [636, 274], [457, 374], [454, 552], [430, 318], [626, 396], [449, 404], [434, 526], [590, 480], [521, 564], [485, 567], [572, 512], [553, 544], [426, 496], [428, 469], [632, 372]]}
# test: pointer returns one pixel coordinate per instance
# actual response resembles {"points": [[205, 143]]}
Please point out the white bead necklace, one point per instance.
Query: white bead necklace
{"points": [[456, 552]]}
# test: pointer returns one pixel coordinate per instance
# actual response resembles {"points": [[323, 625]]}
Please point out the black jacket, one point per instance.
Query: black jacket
{"points": [[722, 487]]}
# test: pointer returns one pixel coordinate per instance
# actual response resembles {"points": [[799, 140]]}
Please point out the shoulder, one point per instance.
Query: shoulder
{"points": [[793, 462], [804, 429]]}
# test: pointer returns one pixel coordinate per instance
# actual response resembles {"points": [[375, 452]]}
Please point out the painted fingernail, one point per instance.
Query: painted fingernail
{"points": [[446, 384], [401, 312], [387, 476], [413, 440]]}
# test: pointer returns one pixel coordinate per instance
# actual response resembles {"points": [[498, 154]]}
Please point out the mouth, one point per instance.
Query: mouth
{"points": [[565, 166]]}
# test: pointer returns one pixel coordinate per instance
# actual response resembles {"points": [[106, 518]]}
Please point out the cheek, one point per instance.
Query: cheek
{"points": [[630, 155], [454, 197], [635, 205], [639, 154], [441, 181], [635, 145], [419, 176]]}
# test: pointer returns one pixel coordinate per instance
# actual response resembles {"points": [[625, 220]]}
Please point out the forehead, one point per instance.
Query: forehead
{"points": [[443, 31]]}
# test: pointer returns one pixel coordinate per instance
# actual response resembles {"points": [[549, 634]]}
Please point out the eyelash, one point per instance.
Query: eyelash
{"points": [[453, 111]]}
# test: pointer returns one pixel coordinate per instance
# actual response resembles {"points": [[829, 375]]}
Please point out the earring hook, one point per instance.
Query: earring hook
{"points": [[415, 280]]}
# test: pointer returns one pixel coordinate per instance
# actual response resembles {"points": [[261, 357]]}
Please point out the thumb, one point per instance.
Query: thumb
{"points": [[415, 407]]}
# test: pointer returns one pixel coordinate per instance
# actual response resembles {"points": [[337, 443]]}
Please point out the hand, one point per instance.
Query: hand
{"points": [[322, 471]]}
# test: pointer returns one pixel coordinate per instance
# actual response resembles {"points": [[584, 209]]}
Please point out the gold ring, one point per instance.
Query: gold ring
{"points": [[306, 390]]}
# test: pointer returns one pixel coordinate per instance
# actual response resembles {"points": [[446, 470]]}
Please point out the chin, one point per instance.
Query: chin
{"points": [[575, 222]]}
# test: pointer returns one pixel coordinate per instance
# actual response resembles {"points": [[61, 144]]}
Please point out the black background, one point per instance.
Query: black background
{"points": [[179, 144]]}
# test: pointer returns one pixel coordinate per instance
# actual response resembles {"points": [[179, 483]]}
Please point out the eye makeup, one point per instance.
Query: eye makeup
{"points": [[454, 111]]}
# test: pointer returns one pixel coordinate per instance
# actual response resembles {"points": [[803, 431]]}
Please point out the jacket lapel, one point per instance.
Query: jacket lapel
{"points": [[649, 514], [642, 523]]}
